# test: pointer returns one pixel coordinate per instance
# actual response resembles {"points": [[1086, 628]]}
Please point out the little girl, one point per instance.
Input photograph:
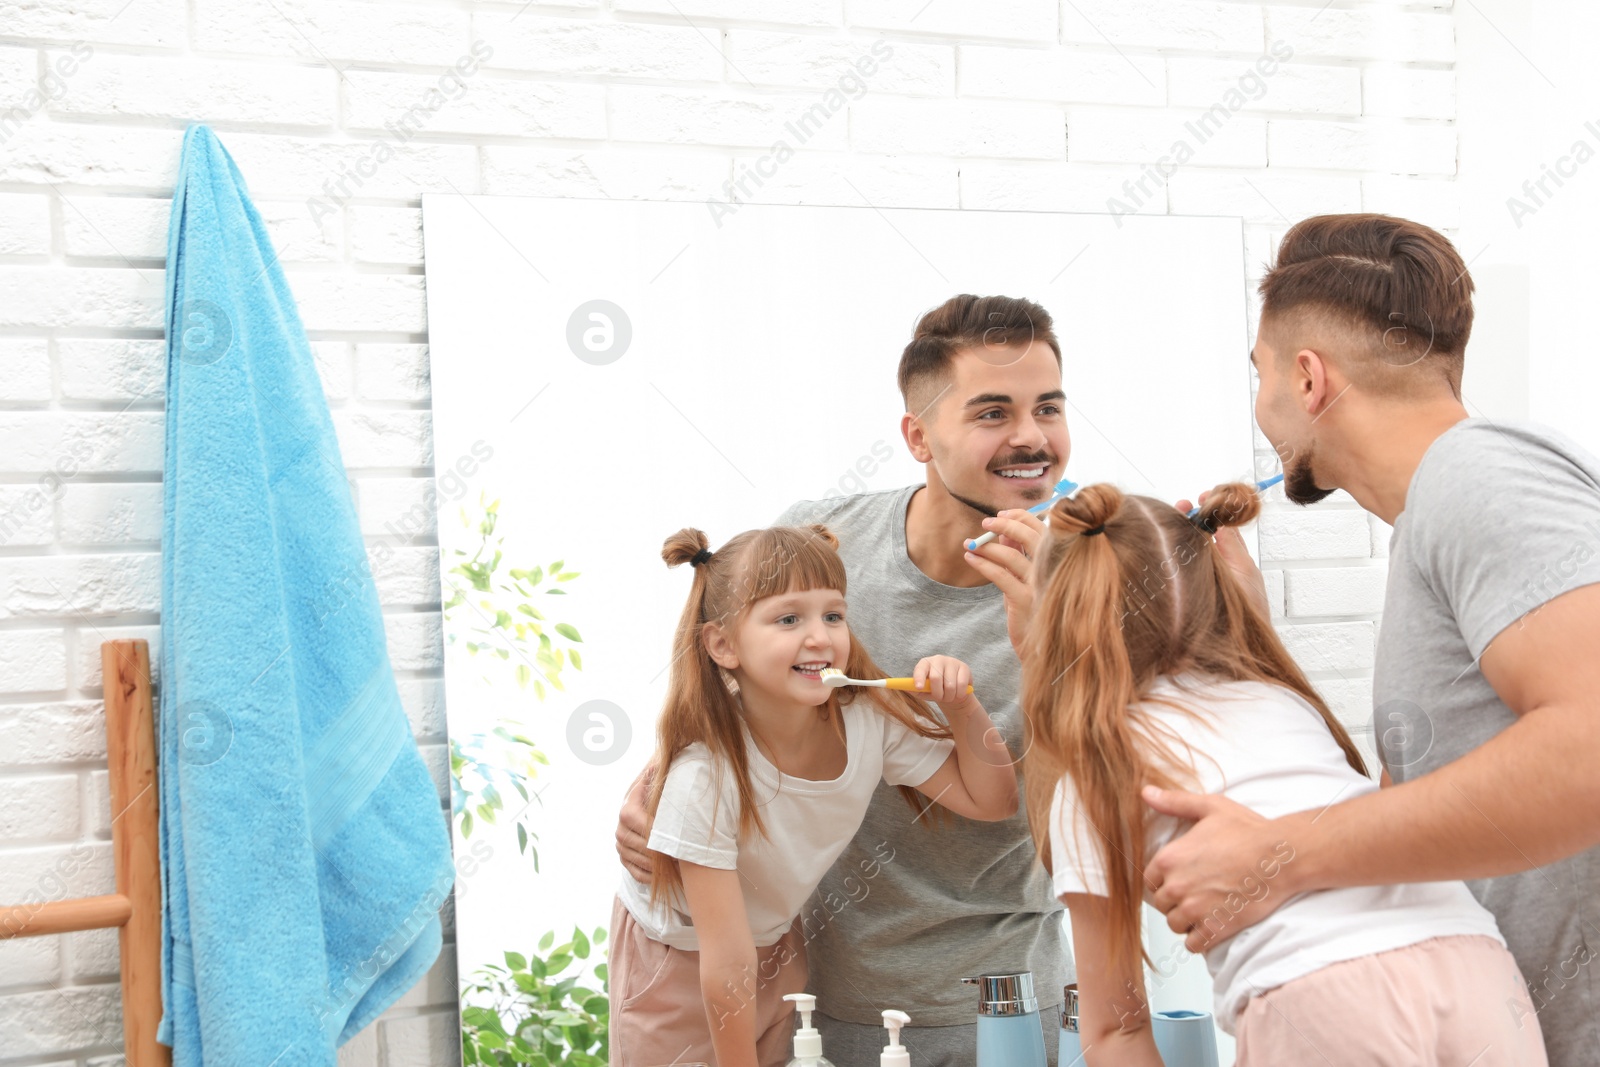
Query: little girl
{"points": [[1146, 662], [768, 775]]}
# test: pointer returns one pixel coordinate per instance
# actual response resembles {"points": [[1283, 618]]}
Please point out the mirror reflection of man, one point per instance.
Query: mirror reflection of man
{"points": [[909, 910]]}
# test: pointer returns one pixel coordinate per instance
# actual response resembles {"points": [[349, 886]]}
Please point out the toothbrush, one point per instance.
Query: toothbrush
{"points": [[1063, 488], [836, 679], [1266, 484]]}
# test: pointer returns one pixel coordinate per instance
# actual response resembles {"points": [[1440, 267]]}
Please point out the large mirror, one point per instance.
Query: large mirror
{"points": [[606, 372]]}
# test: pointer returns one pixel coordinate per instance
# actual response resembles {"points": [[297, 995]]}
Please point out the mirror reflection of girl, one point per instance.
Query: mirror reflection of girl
{"points": [[1146, 662], [768, 779]]}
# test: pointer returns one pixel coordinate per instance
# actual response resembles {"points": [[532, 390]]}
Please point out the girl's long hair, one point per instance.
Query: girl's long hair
{"points": [[1113, 612], [701, 704]]}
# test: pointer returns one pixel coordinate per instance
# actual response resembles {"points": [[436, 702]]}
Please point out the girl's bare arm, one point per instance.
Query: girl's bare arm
{"points": [[1113, 1014], [979, 779], [727, 961]]}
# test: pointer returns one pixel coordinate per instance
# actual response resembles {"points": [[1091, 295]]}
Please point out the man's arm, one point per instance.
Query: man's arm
{"points": [[1526, 798]]}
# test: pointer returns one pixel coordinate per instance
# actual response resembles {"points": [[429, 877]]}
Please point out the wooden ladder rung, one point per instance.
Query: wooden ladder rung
{"points": [[65, 916]]}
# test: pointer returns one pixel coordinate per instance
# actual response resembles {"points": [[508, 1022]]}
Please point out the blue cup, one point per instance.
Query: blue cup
{"points": [[1185, 1038]]}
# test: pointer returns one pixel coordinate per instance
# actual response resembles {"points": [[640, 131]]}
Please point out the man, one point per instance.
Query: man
{"points": [[910, 908], [1486, 684]]}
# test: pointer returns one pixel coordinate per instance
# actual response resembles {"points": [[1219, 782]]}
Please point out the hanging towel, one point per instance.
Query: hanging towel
{"points": [[305, 853]]}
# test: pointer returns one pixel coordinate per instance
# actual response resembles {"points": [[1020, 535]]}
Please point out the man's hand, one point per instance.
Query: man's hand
{"points": [[1230, 870], [1007, 561], [633, 825], [1230, 542]]}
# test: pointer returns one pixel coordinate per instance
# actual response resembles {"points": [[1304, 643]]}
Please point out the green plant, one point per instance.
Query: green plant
{"points": [[526, 1015], [492, 612], [477, 763], [502, 621]]}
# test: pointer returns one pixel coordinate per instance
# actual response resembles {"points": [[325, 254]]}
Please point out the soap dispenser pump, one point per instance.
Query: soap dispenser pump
{"points": [[1069, 1048], [894, 1054], [1010, 1032], [807, 1042]]}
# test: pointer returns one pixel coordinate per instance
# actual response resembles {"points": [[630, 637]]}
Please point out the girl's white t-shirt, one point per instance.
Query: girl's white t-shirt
{"points": [[1266, 748], [808, 823]]}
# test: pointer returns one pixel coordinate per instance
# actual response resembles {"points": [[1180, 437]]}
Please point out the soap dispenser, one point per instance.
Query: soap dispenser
{"points": [[807, 1042], [1010, 1032], [894, 1054]]}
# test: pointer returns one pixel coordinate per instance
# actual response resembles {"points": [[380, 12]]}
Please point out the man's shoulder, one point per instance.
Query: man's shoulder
{"points": [[1480, 473], [1481, 451], [841, 509]]}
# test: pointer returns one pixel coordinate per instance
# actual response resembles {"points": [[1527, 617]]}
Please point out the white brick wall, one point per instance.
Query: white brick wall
{"points": [[1034, 104]]}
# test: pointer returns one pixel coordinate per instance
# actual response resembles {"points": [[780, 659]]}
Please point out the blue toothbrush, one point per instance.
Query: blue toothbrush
{"points": [[1267, 484], [1064, 487]]}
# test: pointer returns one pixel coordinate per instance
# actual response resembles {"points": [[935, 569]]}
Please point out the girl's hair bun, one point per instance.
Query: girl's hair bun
{"points": [[1089, 507], [823, 532], [1229, 504], [683, 546]]}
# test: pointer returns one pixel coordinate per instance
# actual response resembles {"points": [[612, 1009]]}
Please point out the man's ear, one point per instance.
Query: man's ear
{"points": [[719, 647], [914, 430], [1315, 382]]}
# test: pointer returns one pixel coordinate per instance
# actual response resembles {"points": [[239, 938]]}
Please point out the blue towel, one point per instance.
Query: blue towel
{"points": [[305, 853]]}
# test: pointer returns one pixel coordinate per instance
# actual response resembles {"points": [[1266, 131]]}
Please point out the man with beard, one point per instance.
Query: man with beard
{"points": [[1486, 683]]}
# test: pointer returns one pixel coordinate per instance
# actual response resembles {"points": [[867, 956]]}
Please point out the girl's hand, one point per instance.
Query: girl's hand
{"points": [[944, 680], [978, 779]]}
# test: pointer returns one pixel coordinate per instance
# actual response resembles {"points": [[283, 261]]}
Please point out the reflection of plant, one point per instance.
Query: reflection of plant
{"points": [[521, 1015], [474, 769], [504, 618]]}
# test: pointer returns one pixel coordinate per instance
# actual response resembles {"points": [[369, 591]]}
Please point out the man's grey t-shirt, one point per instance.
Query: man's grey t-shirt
{"points": [[1500, 517], [909, 910]]}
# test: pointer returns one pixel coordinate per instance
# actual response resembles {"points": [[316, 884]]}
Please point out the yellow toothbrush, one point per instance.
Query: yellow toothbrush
{"points": [[832, 676]]}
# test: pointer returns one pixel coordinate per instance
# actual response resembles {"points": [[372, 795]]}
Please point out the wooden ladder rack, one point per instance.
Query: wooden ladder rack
{"points": [[135, 908]]}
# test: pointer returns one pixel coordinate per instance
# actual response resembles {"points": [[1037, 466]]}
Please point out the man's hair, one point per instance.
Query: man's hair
{"points": [[963, 322], [1398, 286]]}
